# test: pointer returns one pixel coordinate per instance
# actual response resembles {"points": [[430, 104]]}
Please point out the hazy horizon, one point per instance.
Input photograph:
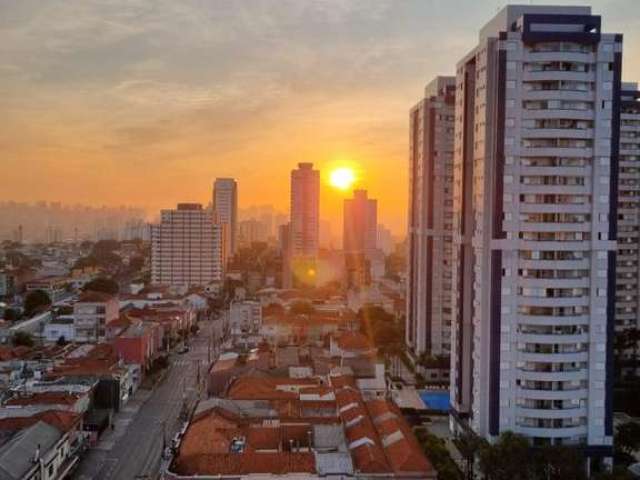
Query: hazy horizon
{"points": [[127, 102]]}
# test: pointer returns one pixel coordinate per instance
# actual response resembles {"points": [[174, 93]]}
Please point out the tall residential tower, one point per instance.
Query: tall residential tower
{"points": [[428, 323], [225, 209], [187, 247], [304, 224], [535, 196]]}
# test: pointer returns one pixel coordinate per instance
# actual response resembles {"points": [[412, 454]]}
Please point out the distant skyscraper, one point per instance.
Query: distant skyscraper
{"points": [[225, 208], [428, 320], [385, 239], [187, 247], [535, 225], [304, 224], [359, 237], [360, 223]]}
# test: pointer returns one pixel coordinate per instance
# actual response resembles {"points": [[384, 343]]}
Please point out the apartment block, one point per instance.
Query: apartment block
{"points": [[535, 227], [304, 224], [187, 247], [428, 321], [628, 258]]}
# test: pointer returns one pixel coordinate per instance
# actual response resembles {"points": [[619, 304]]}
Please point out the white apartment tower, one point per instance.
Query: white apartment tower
{"points": [[535, 195], [428, 321], [304, 224], [628, 258], [225, 209], [187, 247]]}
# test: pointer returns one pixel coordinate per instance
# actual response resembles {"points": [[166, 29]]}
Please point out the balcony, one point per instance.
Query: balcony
{"points": [[551, 432], [578, 374]]}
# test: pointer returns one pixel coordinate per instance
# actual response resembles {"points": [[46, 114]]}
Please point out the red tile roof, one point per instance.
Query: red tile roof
{"points": [[62, 420], [44, 398], [95, 297]]}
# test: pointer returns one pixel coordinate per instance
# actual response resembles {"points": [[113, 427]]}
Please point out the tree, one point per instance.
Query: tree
{"points": [[23, 339], [559, 462], [468, 444], [628, 437], [102, 284], [11, 314], [508, 459], [35, 301]]}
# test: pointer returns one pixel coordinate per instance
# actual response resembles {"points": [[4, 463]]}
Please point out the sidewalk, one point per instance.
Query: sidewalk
{"points": [[121, 421]]}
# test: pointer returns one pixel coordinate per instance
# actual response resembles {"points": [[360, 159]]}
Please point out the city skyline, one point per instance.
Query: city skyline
{"points": [[161, 126]]}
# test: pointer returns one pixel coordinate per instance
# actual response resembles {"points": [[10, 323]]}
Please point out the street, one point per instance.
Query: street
{"points": [[132, 450]]}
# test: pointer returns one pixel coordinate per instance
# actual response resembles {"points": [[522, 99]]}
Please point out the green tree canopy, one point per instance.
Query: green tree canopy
{"points": [[103, 284], [35, 301], [23, 339]]}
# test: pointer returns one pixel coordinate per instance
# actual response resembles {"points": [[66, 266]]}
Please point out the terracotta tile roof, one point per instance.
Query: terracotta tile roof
{"points": [[62, 420], [206, 448], [45, 398], [259, 388], [354, 341]]}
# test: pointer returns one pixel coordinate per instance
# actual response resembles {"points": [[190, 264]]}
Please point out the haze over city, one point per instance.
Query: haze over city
{"points": [[319, 240], [144, 103]]}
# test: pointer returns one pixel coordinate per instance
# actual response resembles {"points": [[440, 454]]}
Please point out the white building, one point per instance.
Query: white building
{"points": [[304, 224], [187, 247], [535, 190], [430, 223], [225, 209], [245, 317], [92, 313]]}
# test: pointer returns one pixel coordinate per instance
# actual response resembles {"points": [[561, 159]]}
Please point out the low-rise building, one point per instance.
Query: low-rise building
{"points": [[92, 313]]}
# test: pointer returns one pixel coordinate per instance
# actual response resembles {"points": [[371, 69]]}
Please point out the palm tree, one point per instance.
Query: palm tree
{"points": [[468, 444]]}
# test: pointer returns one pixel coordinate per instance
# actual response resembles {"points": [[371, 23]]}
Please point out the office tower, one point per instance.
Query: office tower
{"points": [[187, 247], [225, 208], [304, 224], [284, 239], [428, 320], [535, 195], [628, 260]]}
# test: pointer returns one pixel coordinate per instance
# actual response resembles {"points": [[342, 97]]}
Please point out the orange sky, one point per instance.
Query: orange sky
{"points": [[145, 103]]}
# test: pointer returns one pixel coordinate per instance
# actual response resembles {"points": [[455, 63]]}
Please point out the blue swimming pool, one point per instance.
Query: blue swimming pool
{"points": [[436, 399]]}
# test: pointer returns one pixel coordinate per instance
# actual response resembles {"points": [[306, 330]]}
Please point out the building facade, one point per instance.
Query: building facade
{"points": [[628, 258], [92, 314], [225, 208], [359, 238], [304, 223], [535, 190], [187, 247], [428, 320]]}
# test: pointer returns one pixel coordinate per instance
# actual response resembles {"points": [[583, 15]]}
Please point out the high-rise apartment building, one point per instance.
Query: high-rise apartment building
{"points": [[359, 238], [535, 225], [360, 223], [304, 224], [225, 209], [187, 247], [428, 321], [628, 257]]}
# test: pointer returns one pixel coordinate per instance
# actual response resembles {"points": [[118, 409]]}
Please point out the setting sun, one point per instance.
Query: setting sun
{"points": [[342, 178]]}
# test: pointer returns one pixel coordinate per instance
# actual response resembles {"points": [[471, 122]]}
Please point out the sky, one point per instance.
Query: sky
{"points": [[144, 103]]}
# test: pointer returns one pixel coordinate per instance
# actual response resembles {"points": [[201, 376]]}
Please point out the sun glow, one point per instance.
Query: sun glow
{"points": [[342, 178]]}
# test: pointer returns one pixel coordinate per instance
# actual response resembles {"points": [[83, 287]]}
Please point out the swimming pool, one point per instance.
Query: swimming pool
{"points": [[436, 399]]}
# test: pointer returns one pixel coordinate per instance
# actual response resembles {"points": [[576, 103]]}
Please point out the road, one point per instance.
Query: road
{"points": [[133, 449]]}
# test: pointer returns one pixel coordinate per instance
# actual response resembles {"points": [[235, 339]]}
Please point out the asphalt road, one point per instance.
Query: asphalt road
{"points": [[134, 452]]}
